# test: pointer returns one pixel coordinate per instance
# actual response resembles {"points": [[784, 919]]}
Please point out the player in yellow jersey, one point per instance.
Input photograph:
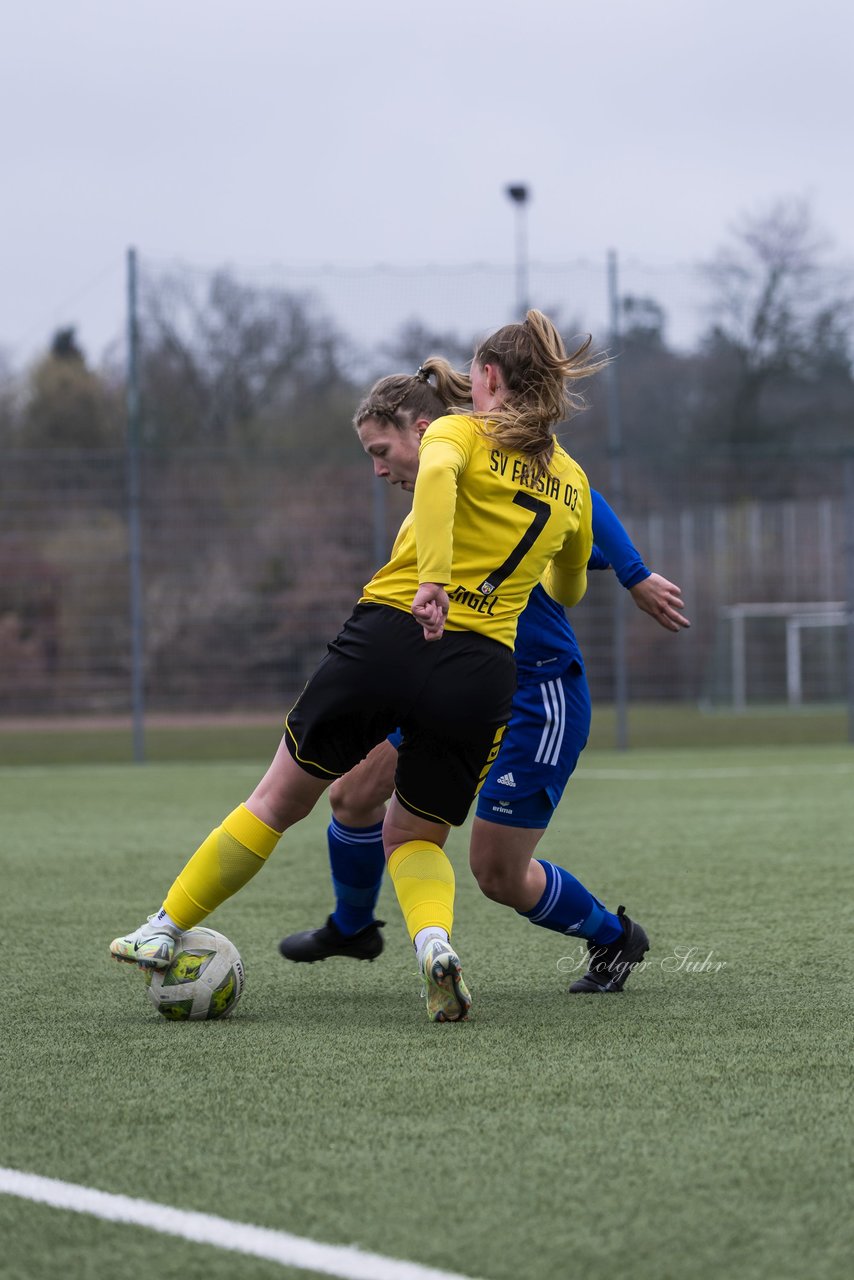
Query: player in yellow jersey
{"points": [[498, 504], [547, 731]]}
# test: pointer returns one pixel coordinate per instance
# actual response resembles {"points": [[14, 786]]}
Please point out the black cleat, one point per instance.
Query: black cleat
{"points": [[609, 965], [320, 944]]}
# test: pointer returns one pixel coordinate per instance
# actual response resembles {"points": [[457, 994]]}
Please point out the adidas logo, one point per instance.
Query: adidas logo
{"points": [[507, 780]]}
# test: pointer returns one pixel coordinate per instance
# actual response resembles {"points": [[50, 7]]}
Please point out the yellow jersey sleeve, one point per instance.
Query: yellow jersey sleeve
{"points": [[565, 576], [444, 455]]}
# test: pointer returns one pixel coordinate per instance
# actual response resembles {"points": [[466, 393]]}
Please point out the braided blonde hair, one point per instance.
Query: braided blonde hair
{"points": [[415, 395]]}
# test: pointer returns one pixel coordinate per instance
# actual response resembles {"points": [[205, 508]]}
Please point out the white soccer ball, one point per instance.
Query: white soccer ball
{"points": [[204, 980]]}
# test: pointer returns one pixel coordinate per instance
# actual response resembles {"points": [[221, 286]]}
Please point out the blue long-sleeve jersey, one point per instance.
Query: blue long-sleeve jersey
{"points": [[545, 642]]}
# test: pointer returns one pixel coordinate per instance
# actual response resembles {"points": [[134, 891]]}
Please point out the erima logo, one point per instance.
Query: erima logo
{"points": [[507, 780]]}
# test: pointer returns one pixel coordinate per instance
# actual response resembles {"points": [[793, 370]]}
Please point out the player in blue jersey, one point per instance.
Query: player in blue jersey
{"points": [[548, 730]]}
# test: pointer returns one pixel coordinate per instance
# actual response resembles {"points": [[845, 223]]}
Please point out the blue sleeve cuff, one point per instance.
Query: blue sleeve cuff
{"points": [[615, 545], [632, 579]]}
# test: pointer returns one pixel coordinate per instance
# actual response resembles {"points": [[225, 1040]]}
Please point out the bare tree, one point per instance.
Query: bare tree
{"points": [[415, 341], [781, 312], [66, 404], [227, 363], [9, 401]]}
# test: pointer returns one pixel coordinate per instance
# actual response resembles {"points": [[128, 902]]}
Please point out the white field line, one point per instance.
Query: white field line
{"points": [[597, 774], [343, 1261]]}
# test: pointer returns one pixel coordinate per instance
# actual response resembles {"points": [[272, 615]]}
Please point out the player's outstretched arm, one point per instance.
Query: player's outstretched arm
{"points": [[662, 600]]}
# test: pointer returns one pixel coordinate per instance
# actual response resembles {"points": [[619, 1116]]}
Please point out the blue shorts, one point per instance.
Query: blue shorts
{"points": [[548, 730]]}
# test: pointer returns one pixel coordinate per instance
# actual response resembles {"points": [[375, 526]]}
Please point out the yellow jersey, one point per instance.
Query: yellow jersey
{"points": [[487, 531]]}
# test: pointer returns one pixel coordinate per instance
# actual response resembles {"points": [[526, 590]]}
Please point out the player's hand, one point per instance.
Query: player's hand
{"points": [[662, 600], [430, 608]]}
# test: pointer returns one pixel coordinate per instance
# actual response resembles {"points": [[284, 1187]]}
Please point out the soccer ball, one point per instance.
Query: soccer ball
{"points": [[204, 980]]}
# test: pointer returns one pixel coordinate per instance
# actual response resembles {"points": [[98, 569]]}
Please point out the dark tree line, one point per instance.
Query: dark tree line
{"points": [[765, 402], [249, 563], [227, 365]]}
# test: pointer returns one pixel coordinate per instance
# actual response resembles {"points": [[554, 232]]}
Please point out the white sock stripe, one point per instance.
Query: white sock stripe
{"points": [[554, 893], [365, 836], [343, 1261]]}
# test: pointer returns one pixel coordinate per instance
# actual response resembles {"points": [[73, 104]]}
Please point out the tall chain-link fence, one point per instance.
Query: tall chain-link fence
{"points": [[258, 520], [249, 565]]}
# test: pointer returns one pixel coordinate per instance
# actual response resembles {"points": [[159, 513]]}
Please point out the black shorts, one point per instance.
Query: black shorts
{"points": [[451, 697]]}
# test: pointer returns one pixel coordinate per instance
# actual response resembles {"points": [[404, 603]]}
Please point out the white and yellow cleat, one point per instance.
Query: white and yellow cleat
{"points": [[151, 946], [448, 998]]}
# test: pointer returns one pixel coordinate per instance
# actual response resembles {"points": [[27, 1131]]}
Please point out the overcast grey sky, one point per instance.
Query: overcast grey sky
{"points": [[333, 132]]}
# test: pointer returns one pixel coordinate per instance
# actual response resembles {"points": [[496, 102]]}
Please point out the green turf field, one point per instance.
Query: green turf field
{"points": [[695, 1127]]}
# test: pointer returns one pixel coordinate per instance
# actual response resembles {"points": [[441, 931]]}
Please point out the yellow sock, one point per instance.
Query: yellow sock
{"points": [[231, 856], [423, 880]]}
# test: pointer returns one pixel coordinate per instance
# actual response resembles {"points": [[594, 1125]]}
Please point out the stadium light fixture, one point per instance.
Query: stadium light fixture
{"points": [[519, 194]]}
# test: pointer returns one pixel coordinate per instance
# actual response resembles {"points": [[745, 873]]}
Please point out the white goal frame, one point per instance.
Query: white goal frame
{"points": [[821, 613]]}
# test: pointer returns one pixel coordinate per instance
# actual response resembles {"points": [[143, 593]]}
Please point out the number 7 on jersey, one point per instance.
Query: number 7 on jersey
{"points": [[541, 511]]}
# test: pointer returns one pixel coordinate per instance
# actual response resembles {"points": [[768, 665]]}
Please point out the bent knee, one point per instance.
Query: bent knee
{"points": [[353, 808], [496, 884], [341, 795]]}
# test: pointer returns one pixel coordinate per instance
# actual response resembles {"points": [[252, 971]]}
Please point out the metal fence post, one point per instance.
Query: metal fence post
{"points": [[615, 451], [848, 499], [379, 506], [133, 514]]}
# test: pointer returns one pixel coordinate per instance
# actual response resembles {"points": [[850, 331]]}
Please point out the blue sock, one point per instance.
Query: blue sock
{"points": [[357, 861], [567, 907]]}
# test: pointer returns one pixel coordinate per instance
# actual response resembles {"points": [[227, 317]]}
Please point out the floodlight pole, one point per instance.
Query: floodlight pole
{"points": [[615, 451], [519, 194], [848, 497], [137, 657]]}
